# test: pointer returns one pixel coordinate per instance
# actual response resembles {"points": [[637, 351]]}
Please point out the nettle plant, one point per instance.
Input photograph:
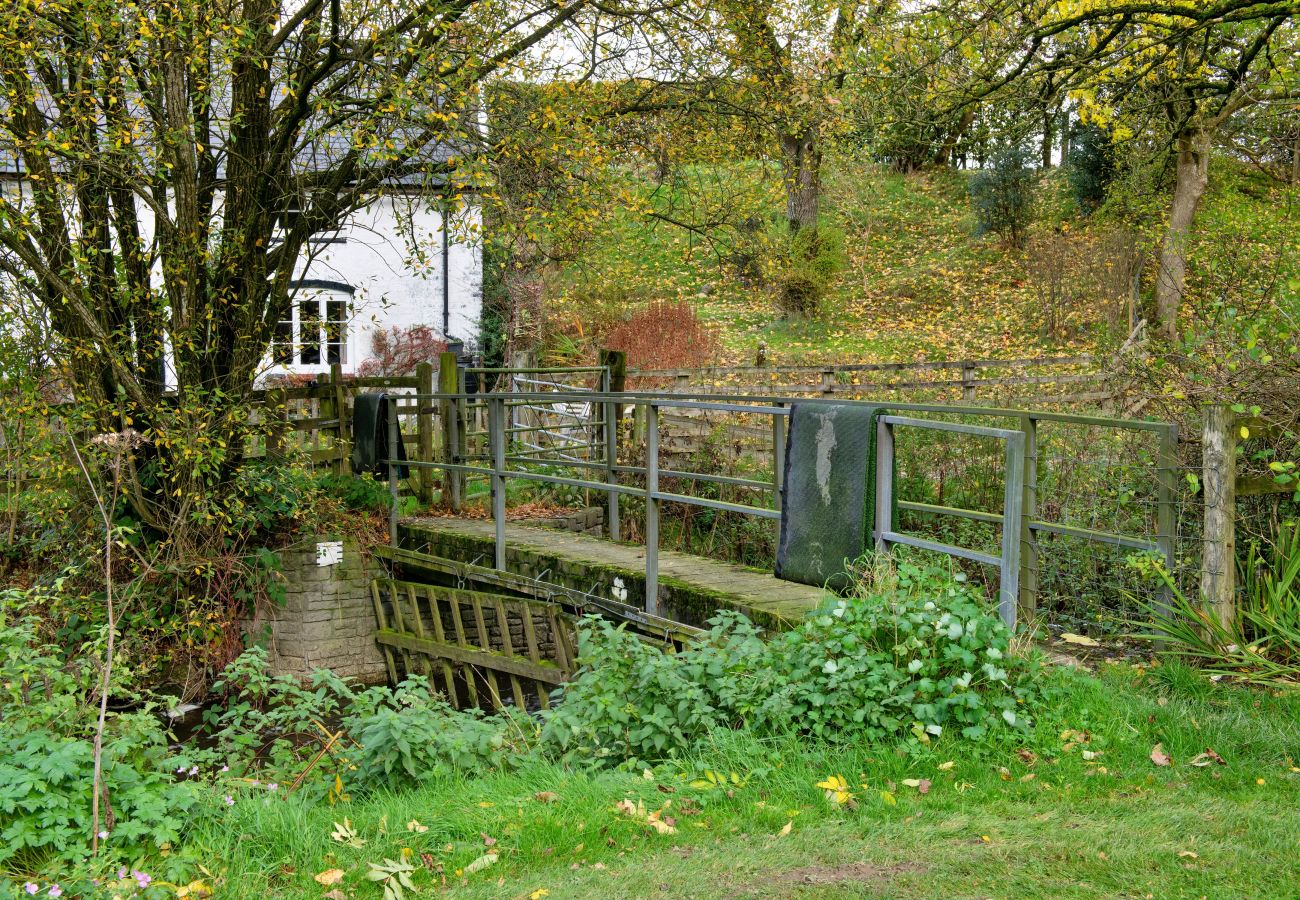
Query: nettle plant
{"points": [[916, 655]]}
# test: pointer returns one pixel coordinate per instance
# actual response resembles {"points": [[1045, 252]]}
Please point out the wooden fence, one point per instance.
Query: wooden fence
{"points": [[1058, 380]]}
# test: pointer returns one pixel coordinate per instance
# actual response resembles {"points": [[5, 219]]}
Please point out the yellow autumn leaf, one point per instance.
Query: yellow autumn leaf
{"points": [[328, 877]]}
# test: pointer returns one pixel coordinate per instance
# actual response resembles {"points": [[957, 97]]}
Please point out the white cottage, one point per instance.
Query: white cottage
{"points": [[392, 264]]}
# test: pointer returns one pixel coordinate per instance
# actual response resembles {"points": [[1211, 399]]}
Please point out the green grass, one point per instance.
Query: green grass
{"points": [[995, 823], [919, 284]]}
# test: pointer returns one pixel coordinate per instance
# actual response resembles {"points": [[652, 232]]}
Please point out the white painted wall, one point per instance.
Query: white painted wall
{"points": [[390, 253]]}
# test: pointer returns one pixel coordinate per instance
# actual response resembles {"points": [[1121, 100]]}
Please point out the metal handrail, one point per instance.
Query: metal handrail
{"points": [[1019, 546]]}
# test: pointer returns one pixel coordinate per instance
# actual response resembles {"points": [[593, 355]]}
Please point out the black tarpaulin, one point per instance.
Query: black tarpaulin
{"points": [[828, 501], [370, 418]]}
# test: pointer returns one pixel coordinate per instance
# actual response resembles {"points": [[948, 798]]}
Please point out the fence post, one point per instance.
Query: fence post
{"points": [[424, 431], [652, 509], [828, 382], [497, 442], [448, 382], [613, 381], [968, 381], [1166, 486], [343, 439], [778, 456], [1219, 482]]}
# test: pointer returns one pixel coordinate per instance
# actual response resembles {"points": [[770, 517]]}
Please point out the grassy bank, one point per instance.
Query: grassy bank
{"points": [[1080, 809], [919, 284]]}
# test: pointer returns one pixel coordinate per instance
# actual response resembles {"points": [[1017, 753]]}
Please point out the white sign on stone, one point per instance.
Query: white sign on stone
{"points": [[329, 553]]}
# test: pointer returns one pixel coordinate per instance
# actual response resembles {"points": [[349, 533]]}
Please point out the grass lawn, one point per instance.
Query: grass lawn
{"points": [[920, 284], [1059, 814]]}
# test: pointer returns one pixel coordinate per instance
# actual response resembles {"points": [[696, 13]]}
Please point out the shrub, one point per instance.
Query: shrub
{"points": [[398, 350], [1002, 195], [1262, 644], [807, 268], [664, 335], [48, 711], [1090, 167], [915, 655], [383, 738], [359, 493]]}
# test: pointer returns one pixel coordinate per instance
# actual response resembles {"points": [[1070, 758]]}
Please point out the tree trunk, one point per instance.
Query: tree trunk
{"points": [[802, 163], [1065, 136], [945, 154], [1190, 181], [1049, 136], [1295, 161]]}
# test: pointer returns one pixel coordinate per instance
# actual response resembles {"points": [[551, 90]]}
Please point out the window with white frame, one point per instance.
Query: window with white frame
{"points": [[314, 332]]}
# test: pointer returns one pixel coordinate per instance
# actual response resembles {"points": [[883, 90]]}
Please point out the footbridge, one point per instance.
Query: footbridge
{"points": [[482, 591]]}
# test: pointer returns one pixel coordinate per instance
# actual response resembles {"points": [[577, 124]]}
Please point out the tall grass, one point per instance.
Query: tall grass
{"points": [[1261, 644]]}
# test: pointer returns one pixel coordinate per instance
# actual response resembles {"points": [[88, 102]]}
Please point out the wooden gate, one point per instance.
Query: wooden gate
{"points": [[482, 650]]}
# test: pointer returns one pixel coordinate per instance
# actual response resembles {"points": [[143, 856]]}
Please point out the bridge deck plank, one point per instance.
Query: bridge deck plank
{"points": [[758, 594]]}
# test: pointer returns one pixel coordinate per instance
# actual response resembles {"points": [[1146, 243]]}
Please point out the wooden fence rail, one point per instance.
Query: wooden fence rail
{"points": [[856, 379]]}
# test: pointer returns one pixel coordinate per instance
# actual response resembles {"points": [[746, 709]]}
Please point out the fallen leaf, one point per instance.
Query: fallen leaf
{"points": [[1188, 854], [334, 895], [1158, 755], [944, 767], [1029, 757], [481, 863], [1206, 758], [416, 827], [924, 786], [1090, 755], [546, 797], [1081, 640], [329, 876], [539, 894], [785, 829], [889, 798], [488, 840], [912, 782]]}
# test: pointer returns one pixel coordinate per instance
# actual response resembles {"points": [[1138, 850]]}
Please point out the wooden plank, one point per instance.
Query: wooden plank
{"points": [[516, 666], [382, 621], [461, 641], [1259, 485], [425, 663], [486, 644], [504, 623]]}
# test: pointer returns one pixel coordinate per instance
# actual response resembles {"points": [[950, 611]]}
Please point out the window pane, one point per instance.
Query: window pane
{"points": [[282, 343], [309, 332], [336, 331]]}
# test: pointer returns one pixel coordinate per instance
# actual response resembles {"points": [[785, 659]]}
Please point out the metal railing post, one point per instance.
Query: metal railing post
{"points": [[394, 471], [1012, 525], [497, 438], [652, 509], [778, 456], [611, 454], [1166, 512], [1029, 506], [884, 483]]}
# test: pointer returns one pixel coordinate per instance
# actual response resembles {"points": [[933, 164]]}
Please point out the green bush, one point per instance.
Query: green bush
{"points": [[1262, 643], [806, 269], [359, 493], [1003, 194], [917, 654], [1090, 167], [272, 728], [48, 713]]}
